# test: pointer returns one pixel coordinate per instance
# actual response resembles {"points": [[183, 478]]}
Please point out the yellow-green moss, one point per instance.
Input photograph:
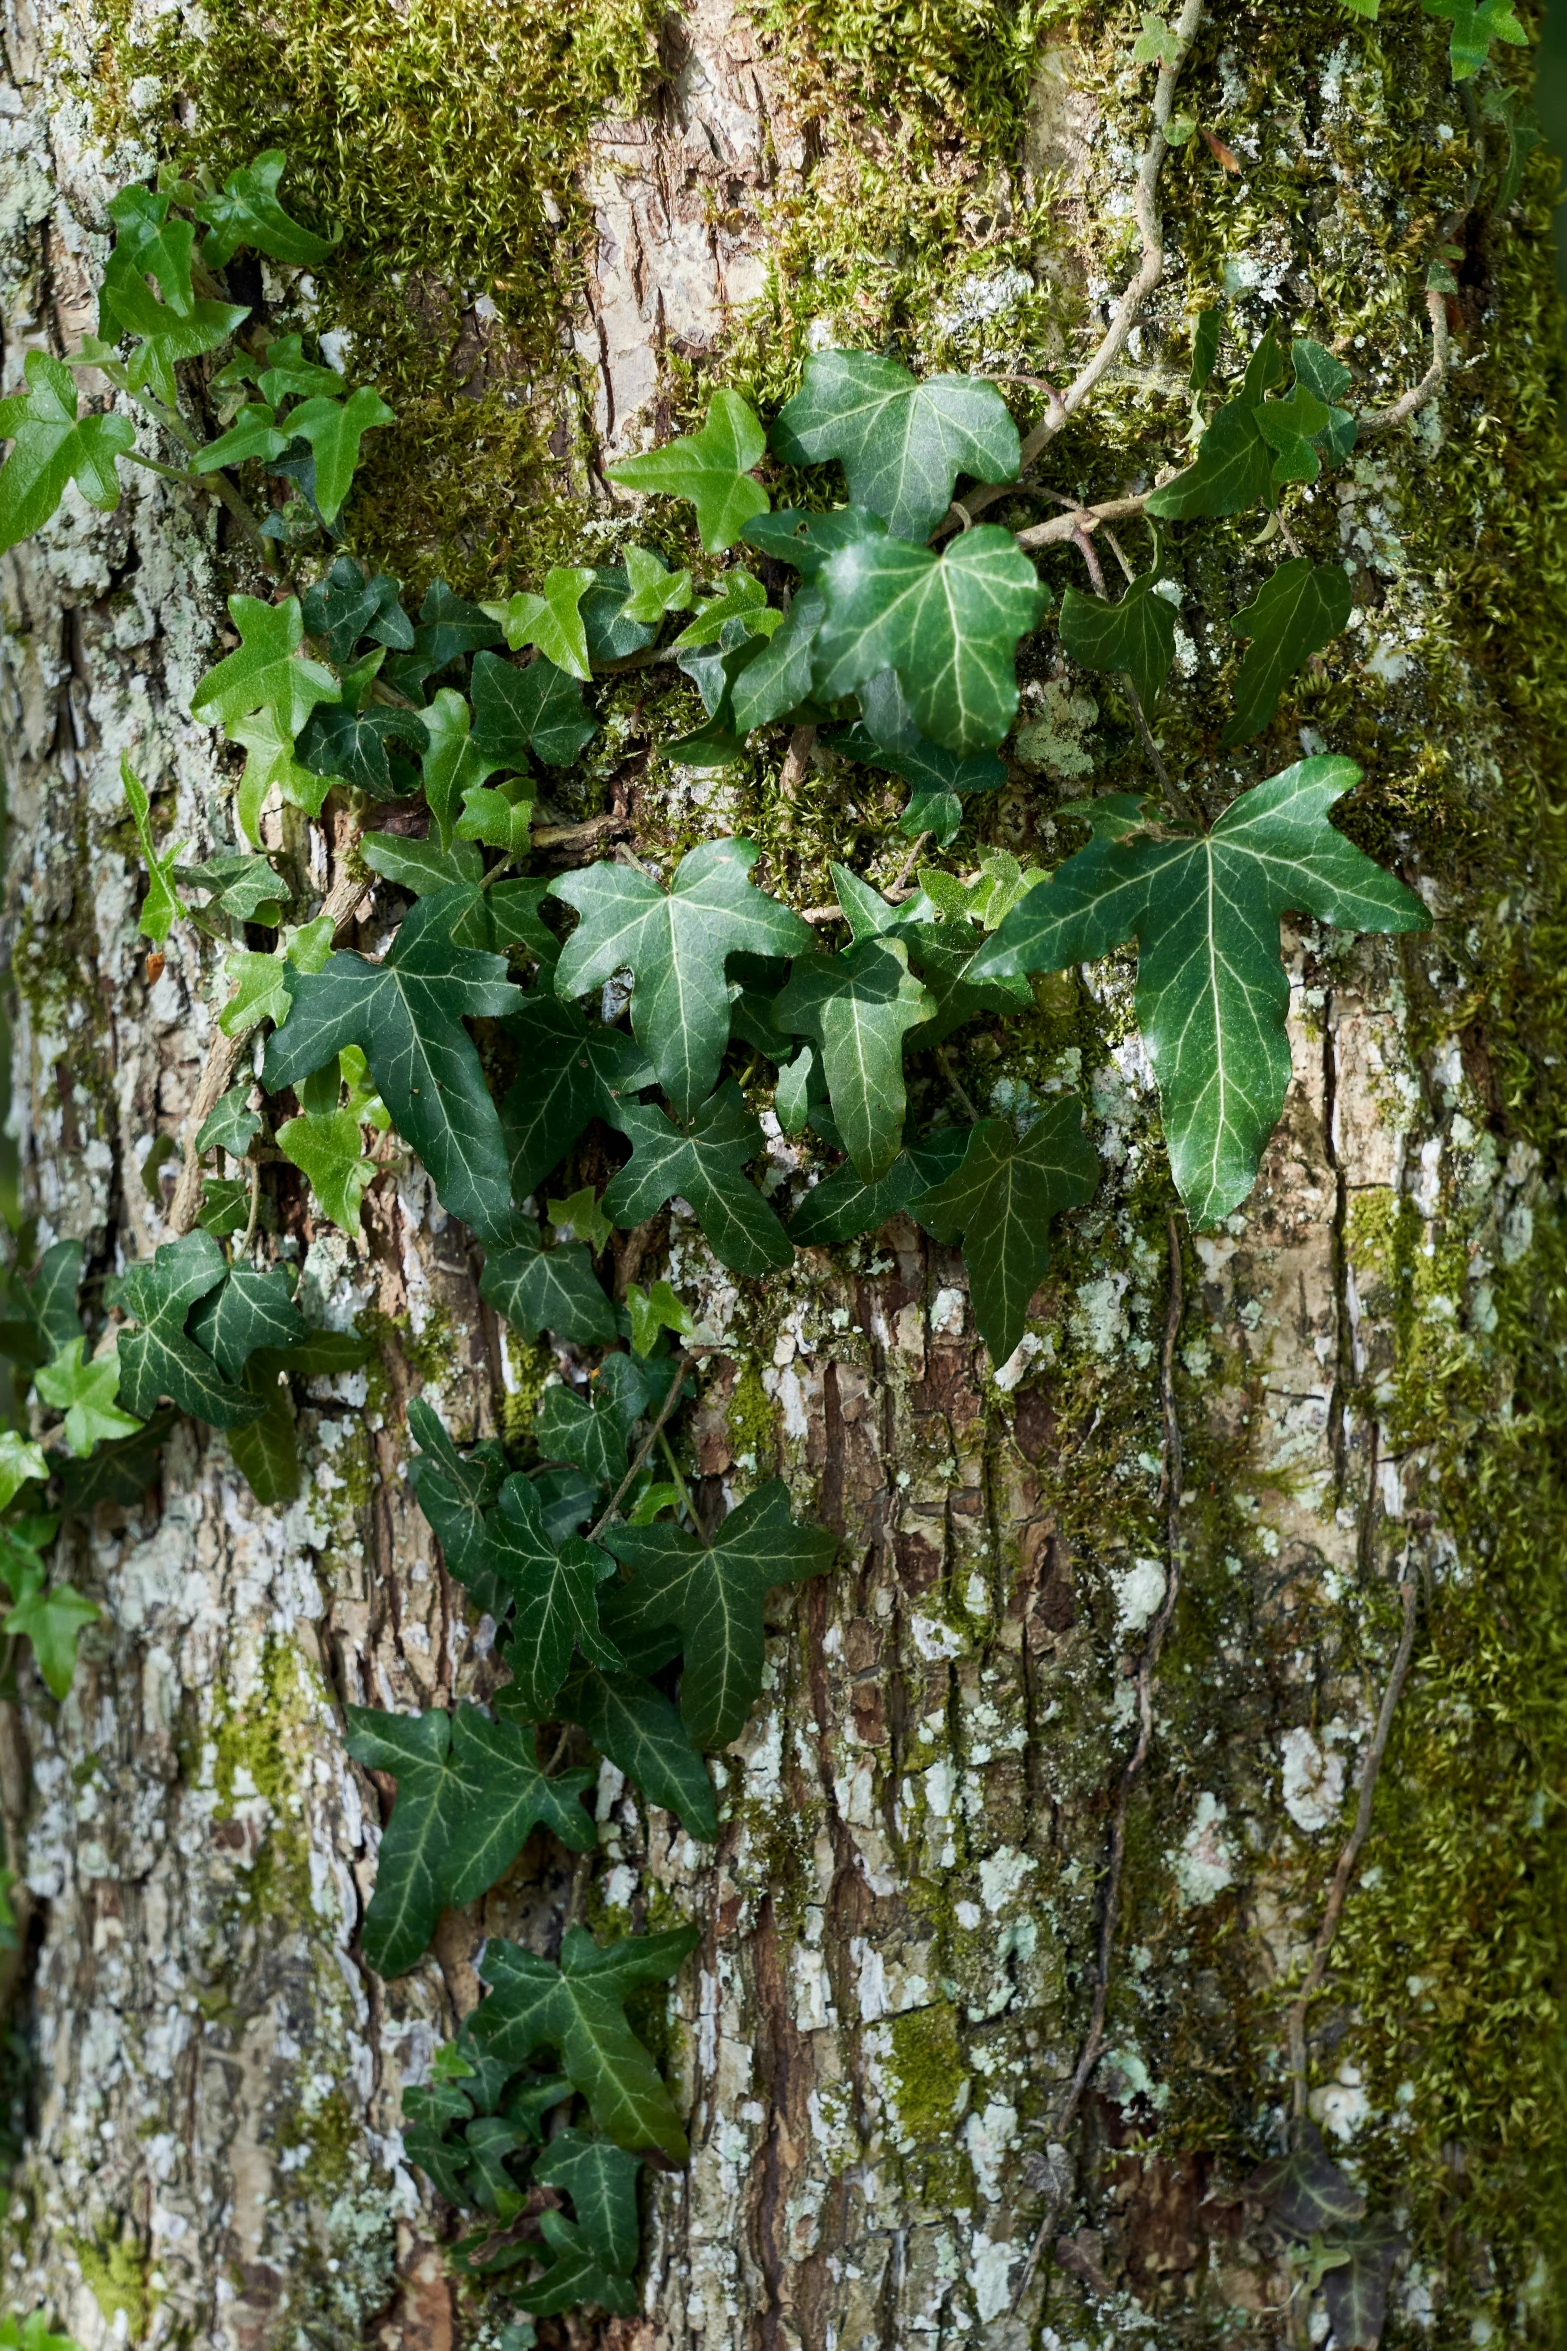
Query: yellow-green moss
{"points": [[264, 1738], [116, 2272]]}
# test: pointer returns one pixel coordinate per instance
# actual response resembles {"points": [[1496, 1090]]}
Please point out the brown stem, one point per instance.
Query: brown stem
{"points": [[1383, 420], [1170, 1501], [1348, 1860]]}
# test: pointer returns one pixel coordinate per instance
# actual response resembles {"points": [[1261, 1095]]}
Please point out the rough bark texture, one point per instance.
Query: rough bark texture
{"points": [[897, 1964]]}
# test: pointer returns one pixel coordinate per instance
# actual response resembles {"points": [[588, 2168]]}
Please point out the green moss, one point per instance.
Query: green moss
{"points": [[116, 2272], [752, 1419], [260, 1744]]}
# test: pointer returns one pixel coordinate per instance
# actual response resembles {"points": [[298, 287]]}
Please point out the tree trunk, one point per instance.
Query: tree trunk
{"points": [[1335, 1419]]}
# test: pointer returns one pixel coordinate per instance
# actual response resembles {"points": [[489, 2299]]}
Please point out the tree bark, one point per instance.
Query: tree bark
{"points": [[1330, 1421]]}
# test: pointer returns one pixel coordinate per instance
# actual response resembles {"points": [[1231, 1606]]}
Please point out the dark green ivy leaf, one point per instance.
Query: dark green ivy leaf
{"points": [[119, 1472], [1212, 994], [902, 440], [576, 2276], [601, 2180], [843, 1206], [1327, 378], [157, 1359], [555, 1589], [406, 1015], [702, 1166], [469, 1795], [636, 1726], [555, 1290], [570, 1070], [538, 709], [455, 1491], [1136, 636], [346, 607], [712, 1594], [1307, 2190], [807, 540], [948, 624], [675, 943], [1001, 1201], [578, 2010], [939, 780], [250, 1310], [857, 1008], [1292, 616], [449, 628], [353, 744]]}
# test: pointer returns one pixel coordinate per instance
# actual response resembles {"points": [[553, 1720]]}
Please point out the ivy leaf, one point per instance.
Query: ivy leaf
{"points": [[120, 1471], [778, 678], [808, 539], [578, 2010], [552, 620], [638, 1728], [601, 2180], [346, 607], [489, 2140], [739, 597], [653, 1310], [247, 888], [449, 629], [469, 1795], [857, 1008], [594, 1435], [270, 759], [42, 1316], [1291, 427], [20, 1462], [675, 944], [902, 441], [1001, 1200], [85, 1393], [158, 1359], [572, 1070], [520, 710], [454, 1491], [452, 766], [231, 1125], [549, 1289], [251, 1310], [405, 1013], [421, 867], [581, 1217], [1293, 615], [843, 1205], [266, 673], [52, 1619], [1327, 377], [652, 589], [264, 1450], [942, 959], [335, 429], [555, 1589], [254, 434], [1211, 991], [289, 375], [703, 1167], [162, 906], [354, 745], [712, 1594], [51, 447], [712, 468], [248, 213], [939, 780], [1156, 44], [1306, 2190], [1233, 469], [575, 2276], [1475, 27], [948, 624], [1355, 2288], [128, 305], [152, 243], [1136, 636]]}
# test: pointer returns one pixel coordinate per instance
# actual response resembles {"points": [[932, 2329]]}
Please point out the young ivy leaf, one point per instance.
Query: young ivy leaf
{"points": [[406, 1014], [712, 468], [702, 1166], [1476, 24], [1292, 616], [551, 620], [269, 760], [1156, 44], [327, 1147], [20, 1462], [857, 1008], [549, 1290], [51, 1618], [469, 1795], [1327, 378], [287, 374], [601, 2180], [948, 624], [582, 1217], [739, 597], [158, 1359], [85, 1393], [127, 305], [1136, 636], [537, 709], [578, 2010], [335, 429], [712, 1593], [162, 907], [653, 1310], [267, 673], [1001, 1200], [52, 446], [652, 588], [1212, 993], [902, 442], [248, 213], [555, 1588], [675, 944], [572, 1070]]}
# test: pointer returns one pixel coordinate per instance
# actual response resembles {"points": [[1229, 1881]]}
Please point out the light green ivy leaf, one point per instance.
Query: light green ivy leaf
{"points": [[53, 446], [711, 468]]}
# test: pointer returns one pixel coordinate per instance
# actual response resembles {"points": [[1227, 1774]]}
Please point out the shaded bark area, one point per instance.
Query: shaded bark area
{"points": [[900, 1921]]}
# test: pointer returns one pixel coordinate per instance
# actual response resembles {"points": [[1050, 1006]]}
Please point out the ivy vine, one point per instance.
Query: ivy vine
{"points": [[672, 1007]]}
